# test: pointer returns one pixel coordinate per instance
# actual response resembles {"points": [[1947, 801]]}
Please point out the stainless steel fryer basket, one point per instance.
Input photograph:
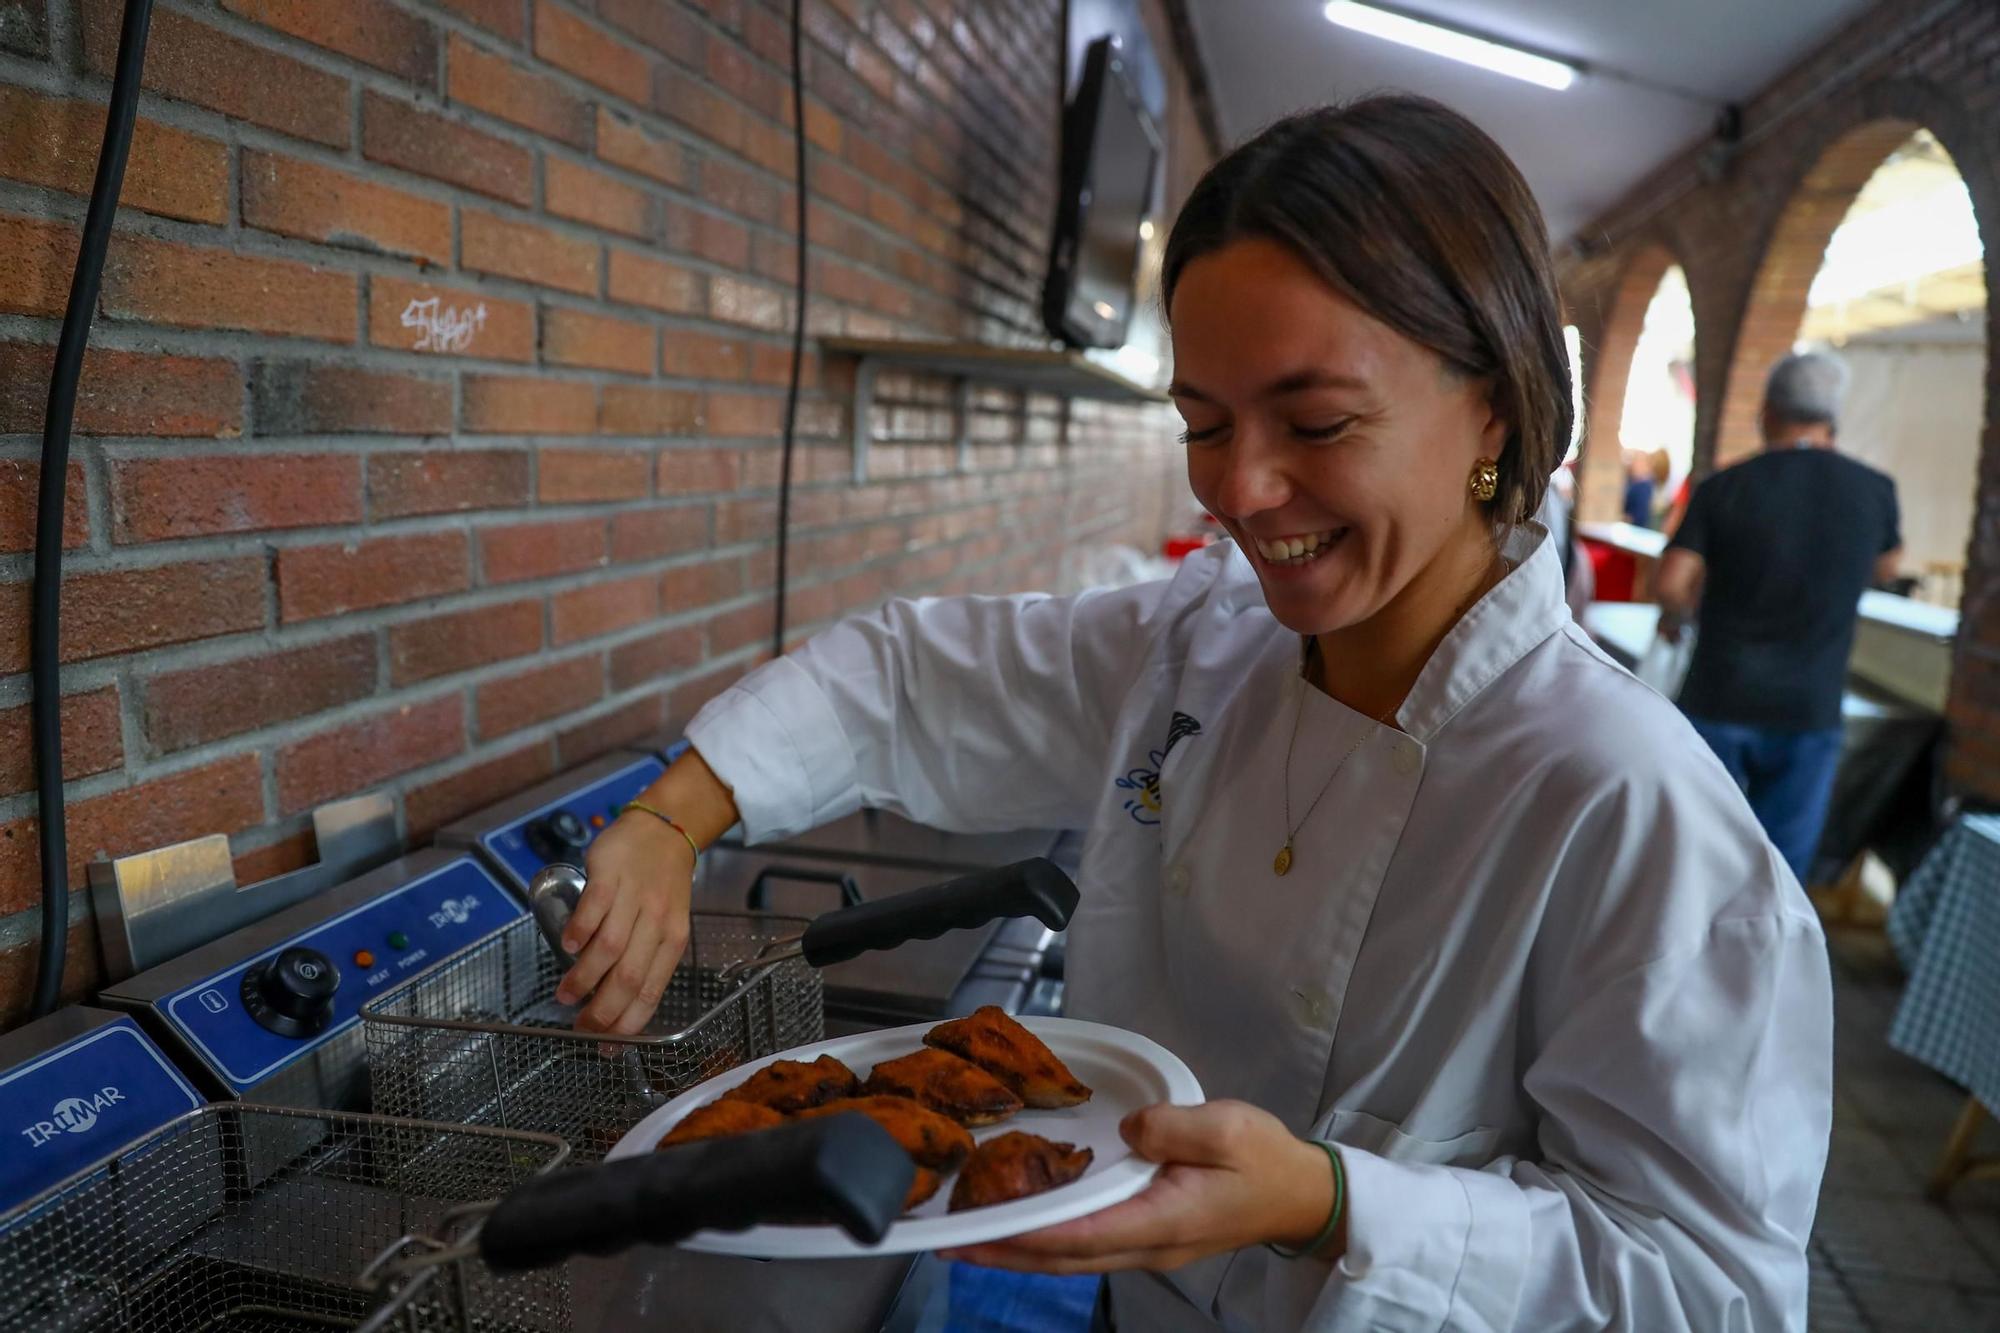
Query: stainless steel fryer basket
{"points": [[480, 1040], [240, 1218]]}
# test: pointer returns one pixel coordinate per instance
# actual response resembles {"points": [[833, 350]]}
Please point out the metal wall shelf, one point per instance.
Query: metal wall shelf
{"points": [[1044, 370]]}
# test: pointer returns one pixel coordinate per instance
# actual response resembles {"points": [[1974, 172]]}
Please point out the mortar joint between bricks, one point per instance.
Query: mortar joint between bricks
{"points": [[42, 76]]}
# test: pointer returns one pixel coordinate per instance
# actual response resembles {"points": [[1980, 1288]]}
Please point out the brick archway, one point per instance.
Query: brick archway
{"points": [[1607, 371], [1831, 167], [1777, 303]]}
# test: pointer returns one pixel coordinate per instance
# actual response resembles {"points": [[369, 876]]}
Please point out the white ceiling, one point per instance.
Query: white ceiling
{"points": [[1581, 149]]}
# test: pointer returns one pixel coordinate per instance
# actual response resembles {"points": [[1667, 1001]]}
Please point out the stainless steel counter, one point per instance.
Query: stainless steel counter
{"points": [[1904, 648]]}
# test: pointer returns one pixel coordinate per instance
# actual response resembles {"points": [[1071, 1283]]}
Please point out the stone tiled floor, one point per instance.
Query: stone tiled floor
{"points": [[1884, 1258]]}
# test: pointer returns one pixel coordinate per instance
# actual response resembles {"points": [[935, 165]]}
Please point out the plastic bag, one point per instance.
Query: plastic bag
{"points": [[1665, 665], [1111, 566]]}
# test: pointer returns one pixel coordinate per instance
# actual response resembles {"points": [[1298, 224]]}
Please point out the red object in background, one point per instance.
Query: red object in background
{"points": [[1181, 544], [1617, 571]]}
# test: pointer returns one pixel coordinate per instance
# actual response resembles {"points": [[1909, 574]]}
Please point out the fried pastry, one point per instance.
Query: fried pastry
{"points": [[923, 1185], [1015, 1165], [948, 1085], [991, 1039], [793, 1085], [721, 1120], [930, 1139]]}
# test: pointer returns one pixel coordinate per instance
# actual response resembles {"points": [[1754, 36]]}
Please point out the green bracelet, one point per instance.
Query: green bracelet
{"points": [[1332, 1218]]}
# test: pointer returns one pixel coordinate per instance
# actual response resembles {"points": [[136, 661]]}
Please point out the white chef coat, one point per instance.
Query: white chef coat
{"points": [[1535, 967]]}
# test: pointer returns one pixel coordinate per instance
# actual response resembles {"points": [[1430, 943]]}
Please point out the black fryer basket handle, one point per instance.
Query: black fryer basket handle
{"points": [[843, 1169]]}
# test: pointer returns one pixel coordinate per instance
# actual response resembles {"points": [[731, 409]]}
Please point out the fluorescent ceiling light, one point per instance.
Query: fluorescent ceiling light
{"points": [[1452, 45]]}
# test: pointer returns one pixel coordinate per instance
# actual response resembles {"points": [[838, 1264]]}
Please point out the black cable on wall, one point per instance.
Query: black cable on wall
{"points": [[45, 627], [798, 324]]}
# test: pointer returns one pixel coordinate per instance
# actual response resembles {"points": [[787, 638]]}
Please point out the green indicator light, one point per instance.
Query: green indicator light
{"points": [[398, 940]]}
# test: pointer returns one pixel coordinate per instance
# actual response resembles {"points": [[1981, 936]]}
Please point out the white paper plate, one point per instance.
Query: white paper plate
{"points": [[1125, 1070]]}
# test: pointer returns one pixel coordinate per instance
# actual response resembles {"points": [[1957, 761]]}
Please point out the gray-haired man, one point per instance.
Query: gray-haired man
{"points": [[1776, 552]]}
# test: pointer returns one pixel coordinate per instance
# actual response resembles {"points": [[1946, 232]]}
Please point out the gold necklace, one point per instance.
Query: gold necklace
{"points": [[1282, 863]]}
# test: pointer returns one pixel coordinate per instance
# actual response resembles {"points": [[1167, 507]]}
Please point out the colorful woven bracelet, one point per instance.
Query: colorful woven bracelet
{"points": [[1332, 1218], [641, 805]]}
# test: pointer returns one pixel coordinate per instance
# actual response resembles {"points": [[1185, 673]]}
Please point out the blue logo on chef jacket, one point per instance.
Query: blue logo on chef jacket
{"points": [[1146, 804]]}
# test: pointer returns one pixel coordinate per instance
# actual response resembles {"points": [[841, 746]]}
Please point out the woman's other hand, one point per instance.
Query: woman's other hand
{"points": [[631, 924], [1231, 1176]]}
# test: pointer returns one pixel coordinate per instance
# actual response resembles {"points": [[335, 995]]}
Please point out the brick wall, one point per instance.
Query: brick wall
{"points": [[429, 435], [1750, 234]]}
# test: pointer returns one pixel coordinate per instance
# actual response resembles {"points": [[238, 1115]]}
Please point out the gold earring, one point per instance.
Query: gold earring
{"points": [[1485, 480]]}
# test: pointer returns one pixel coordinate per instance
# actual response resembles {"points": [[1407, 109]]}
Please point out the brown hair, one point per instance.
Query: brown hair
{"points": [[1410, 211]]}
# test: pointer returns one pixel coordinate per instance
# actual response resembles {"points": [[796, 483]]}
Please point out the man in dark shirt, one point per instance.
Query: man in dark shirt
{"points": [[1776, 552]]}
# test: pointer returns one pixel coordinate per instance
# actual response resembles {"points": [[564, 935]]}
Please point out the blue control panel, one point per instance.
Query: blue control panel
{"points": [[564, 828], [372, 948], [81, 1102]]}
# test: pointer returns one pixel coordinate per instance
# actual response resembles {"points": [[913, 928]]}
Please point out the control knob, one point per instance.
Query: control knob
{"points": [[560, 837], [292, 994]]}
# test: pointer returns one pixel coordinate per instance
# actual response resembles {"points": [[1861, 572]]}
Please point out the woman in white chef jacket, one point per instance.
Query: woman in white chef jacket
{"points": [[1380, 844]]}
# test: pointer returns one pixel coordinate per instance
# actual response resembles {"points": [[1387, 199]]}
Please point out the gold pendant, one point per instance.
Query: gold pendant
{"points": [[1283, 862]]}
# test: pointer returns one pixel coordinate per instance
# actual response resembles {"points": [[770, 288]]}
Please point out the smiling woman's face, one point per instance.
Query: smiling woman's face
{"points": [[1314, 425]]}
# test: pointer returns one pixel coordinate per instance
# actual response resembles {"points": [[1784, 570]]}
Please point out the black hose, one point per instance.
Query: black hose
{"points": [[45, 629], [798, 325]]}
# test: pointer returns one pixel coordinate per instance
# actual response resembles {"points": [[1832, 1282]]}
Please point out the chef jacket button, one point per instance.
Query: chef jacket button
{"points": [[1178, 879], [1408, 759], [1314, 1006]]}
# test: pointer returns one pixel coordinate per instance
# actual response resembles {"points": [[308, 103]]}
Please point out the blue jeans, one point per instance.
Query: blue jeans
{"points": [[1788, 776]]}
